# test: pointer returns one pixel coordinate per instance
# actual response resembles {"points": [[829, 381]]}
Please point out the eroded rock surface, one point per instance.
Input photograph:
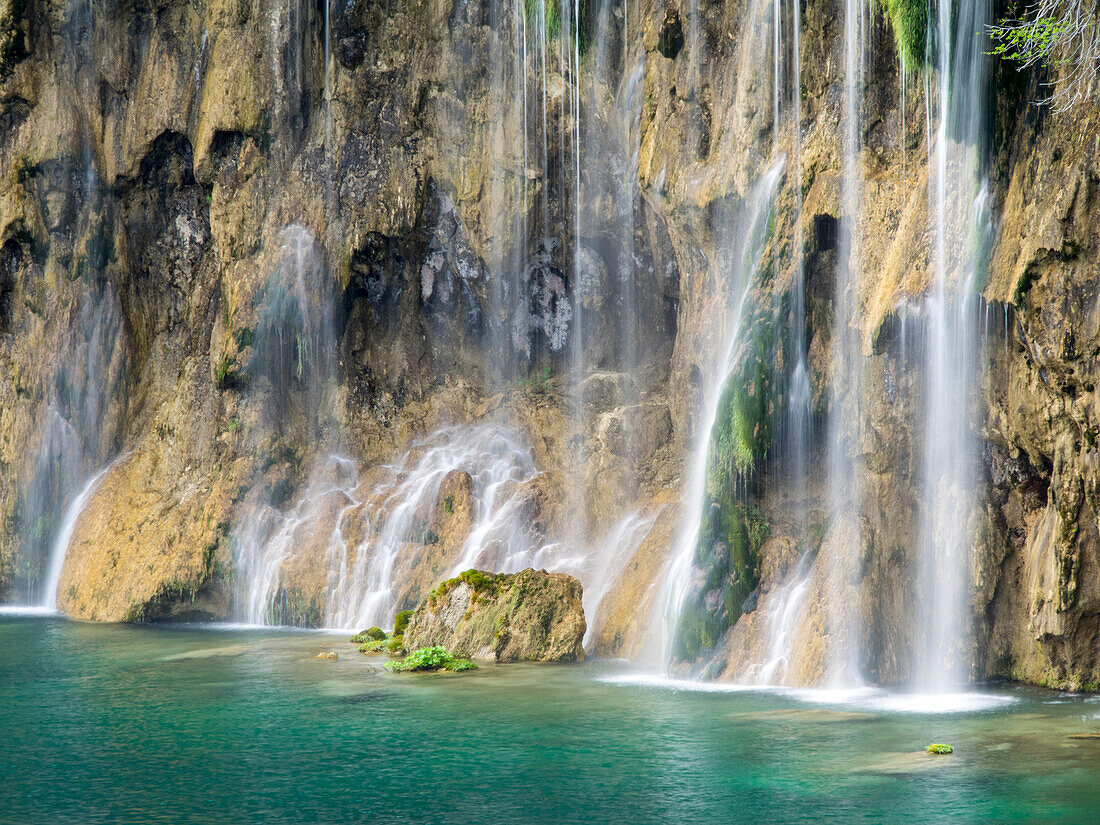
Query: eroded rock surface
{"points": [[530, 616]]}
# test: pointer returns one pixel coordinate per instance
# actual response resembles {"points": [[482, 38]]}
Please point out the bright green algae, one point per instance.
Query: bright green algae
{"points": [[122, 725]]}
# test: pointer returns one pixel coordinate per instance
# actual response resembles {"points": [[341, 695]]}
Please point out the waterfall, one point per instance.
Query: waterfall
{"points": [[378, 533], [842, 542], [949, 468], [292, 370], [600, 571], [747, 236], [64, 536]]}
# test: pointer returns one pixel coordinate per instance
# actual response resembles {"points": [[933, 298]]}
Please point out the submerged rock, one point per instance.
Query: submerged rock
{"points": [[527, 616]]}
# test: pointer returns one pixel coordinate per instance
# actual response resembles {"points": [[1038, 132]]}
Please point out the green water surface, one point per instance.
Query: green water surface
{"points": [[184, 724]]}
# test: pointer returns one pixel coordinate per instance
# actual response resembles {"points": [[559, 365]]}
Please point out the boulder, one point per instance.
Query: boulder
{"points": [[530, 616]]}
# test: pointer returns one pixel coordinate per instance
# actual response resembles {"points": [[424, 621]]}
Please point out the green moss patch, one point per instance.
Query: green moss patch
{"points": [[732, 528], [939, 749], [483, 584], [401, 621], [909, 20]]}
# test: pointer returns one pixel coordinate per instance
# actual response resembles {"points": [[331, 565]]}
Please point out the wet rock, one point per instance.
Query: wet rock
{"points": [[527, 616], [327, 655]]}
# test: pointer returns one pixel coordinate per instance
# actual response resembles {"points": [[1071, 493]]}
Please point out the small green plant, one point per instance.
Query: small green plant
{"points": [[940, 749], [1050, 33], [538, 380], [430, 659], [224, 375], [234, 425]]}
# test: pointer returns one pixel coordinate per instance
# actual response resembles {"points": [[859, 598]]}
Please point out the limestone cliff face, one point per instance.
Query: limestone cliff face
{"points": [[172, 171], [1039, 572]]}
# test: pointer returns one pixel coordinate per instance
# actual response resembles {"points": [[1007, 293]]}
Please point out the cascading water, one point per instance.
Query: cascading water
{"points": [[377, 532], [292, 368], [842, 543], [495, 463], [748, 231], [949, 468], [64, 536], [599, 571]]}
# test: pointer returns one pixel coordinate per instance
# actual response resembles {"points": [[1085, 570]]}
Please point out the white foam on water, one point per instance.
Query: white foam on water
{"points": [[656, 680], [864, 698], [26, 610]]}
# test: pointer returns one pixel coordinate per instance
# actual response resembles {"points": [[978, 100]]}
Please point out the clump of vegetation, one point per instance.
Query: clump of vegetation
{"points": [[376, 640], [371, 634], [940, 749], [909, 20], [538, 380], [430, 659], [548, 13]]}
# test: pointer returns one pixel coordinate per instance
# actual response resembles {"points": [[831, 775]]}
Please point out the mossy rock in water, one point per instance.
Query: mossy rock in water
{"points": [[371, 634], [429, 659], [940, 749], [527, 616]]}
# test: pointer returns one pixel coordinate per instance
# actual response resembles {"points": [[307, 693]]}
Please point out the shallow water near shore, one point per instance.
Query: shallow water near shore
{"points": [[188, 724]]}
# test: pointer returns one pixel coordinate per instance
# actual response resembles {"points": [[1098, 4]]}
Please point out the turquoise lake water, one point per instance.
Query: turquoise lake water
{"points": [[184, 724]]}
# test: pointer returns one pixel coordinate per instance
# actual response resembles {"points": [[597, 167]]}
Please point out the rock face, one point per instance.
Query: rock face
{"points": [[530, 616], [172, 172]]}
